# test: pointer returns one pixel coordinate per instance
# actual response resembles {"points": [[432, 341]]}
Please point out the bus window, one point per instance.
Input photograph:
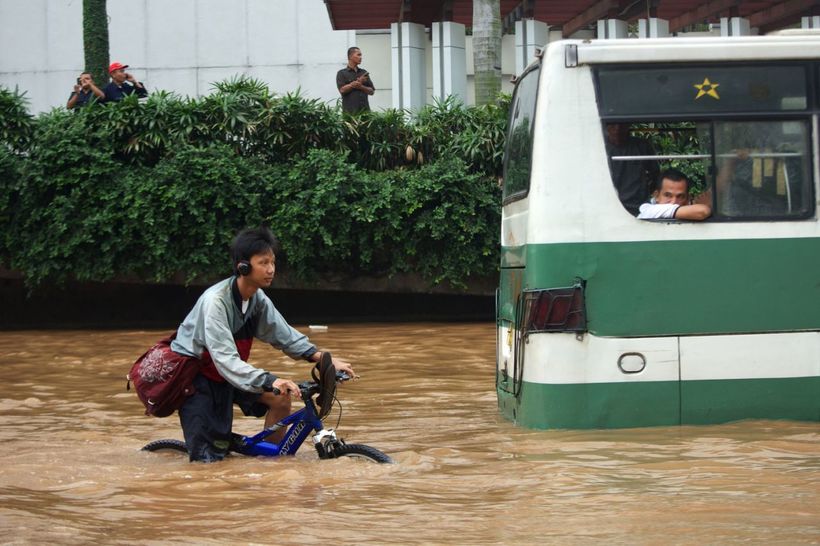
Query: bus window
{"points": [[519, 136], [739, 132], [638, 152], [763, 169]]}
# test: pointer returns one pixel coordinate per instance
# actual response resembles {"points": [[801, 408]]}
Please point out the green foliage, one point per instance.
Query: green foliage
{"points": [[155, 189], [439, 220], [475, 135], [95, 39], [682, 139], [58, 224], [16, 124], [181, 215], [10, 166], [453, 217]]}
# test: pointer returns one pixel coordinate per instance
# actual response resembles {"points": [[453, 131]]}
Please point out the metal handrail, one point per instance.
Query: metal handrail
{"points": [[705, 156]]}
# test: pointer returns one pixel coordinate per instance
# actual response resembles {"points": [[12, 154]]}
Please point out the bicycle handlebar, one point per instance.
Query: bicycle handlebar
{"points": [[308, 388]]}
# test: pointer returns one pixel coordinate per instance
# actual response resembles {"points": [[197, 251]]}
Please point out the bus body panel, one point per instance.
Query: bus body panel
{"points": [[685, 287], [580, 383]]}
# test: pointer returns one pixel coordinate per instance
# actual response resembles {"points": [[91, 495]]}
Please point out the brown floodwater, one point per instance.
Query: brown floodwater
{"points": [[72, 471]]}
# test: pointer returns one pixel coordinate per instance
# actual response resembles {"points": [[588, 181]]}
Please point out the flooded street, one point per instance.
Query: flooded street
{"points": [[73, 472]]}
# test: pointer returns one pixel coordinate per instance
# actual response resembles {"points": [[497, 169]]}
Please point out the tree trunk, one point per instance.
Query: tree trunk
{"points": [[95, 40], [487, 49]]}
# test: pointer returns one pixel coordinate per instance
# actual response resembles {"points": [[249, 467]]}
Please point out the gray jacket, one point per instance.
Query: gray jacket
{"points": [[215, 320]]}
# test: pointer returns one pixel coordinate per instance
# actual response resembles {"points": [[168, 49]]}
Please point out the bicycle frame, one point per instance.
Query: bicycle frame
{"points": [[302, 422]]}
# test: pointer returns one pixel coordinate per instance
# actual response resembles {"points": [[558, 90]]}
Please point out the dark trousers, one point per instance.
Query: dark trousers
{"points": [[207, 417]]}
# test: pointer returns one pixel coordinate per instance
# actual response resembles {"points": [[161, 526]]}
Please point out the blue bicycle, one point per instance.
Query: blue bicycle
{"points": [[302, 422]]}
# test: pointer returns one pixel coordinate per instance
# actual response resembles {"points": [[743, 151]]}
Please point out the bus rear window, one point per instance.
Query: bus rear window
{"points": [[741, 136]]}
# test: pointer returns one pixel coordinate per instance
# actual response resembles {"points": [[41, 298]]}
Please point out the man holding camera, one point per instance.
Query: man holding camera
{"points": [[84, 92]]}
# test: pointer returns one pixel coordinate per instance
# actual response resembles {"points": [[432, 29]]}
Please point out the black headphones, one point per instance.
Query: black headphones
{"points": [[243, 267]]}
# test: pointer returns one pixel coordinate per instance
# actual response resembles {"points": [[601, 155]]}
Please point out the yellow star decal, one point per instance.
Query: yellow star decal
{"points": [[707, 88]]}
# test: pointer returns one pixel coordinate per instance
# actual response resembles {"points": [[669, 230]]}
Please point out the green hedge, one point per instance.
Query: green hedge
{"points": [[155, 190]]}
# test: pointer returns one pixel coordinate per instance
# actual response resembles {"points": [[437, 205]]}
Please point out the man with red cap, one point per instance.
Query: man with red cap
{"points": [[122, 84]]}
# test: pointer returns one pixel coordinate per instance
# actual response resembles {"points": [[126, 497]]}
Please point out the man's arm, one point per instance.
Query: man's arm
{"points": [[343, 87], [655, 211], [695, 212], [139, 88], [96, 90], [366, 84], [72, 99]]}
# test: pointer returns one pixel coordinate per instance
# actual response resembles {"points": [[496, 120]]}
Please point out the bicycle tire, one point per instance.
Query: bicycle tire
{"points": [[360, 451], [171, 445]]}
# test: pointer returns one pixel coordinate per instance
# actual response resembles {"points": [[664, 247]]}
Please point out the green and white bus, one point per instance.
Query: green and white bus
{"points": [[605, 320]]}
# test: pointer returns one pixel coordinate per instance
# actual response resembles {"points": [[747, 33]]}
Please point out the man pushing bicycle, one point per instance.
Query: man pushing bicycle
{"points": [[218, 333]]}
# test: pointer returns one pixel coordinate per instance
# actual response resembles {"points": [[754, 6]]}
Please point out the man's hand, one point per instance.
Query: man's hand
{"points": [[286, 387], [130, 77], [77, 88], [344, 366]]}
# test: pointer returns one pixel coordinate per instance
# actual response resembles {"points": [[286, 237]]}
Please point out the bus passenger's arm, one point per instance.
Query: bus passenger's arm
{"points": [[693, 212]]}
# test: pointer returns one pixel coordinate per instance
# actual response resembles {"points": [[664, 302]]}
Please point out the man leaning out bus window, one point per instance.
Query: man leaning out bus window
{"points": [[671, 199]]}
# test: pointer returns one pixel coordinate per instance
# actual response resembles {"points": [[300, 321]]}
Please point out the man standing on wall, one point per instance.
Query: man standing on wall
{"points": [[354, 83], [122, 84]]}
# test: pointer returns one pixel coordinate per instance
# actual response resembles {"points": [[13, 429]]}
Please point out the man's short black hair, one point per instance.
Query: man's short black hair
{"points": [[350, 51], [675, 176], [252, 241]]}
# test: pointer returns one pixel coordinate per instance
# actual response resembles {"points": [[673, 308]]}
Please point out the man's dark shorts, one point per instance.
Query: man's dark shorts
{"points": [[207, 417]]}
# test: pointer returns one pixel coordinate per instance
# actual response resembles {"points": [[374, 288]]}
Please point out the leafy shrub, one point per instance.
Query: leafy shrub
{"points": [[155, 189], [59, 225], [475, 135], [10, 165], [440, 220], [179, 217], [451, 219], [16, 124]]}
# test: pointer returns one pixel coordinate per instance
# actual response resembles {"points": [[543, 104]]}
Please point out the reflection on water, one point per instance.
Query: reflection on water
{"points": [[72, 471]]}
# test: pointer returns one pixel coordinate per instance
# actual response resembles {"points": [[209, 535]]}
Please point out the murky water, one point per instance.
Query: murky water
{"points": [[72, 471]]}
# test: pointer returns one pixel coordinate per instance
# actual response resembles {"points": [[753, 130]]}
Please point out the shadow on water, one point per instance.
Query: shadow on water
{"points": [[73, 473]]}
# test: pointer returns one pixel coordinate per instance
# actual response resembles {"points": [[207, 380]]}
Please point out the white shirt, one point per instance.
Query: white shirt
{"points": [[649, 211]]}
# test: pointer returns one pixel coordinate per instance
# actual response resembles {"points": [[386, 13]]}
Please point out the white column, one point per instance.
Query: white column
{"points": [[449, 61], [609, 29], [810, 22], [653, 28], [409, 70], [529, 36], [734, 26]]}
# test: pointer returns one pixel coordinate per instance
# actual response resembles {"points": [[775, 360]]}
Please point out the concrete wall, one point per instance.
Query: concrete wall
{"points": [[177, 45], [185, 45]]}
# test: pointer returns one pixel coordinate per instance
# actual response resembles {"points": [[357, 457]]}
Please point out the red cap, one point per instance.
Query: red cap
{"points": [[116, 66]]}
